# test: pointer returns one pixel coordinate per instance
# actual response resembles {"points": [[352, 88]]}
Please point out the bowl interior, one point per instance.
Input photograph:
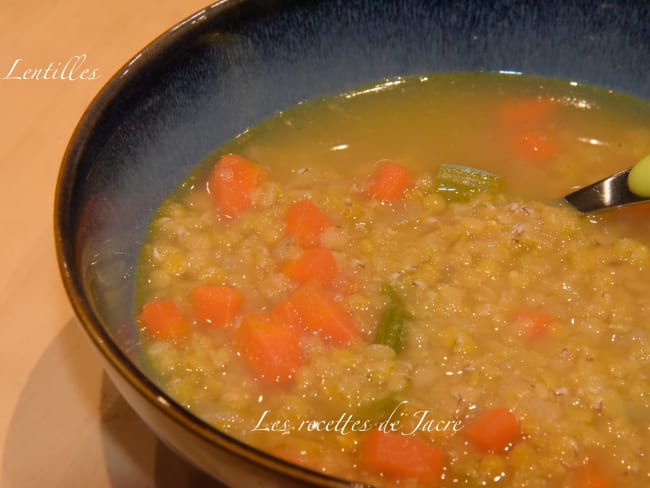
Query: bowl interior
{"points": [[236, 63]]}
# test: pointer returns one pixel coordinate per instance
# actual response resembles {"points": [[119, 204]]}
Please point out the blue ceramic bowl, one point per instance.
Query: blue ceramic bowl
{"points": [[237, 62]]}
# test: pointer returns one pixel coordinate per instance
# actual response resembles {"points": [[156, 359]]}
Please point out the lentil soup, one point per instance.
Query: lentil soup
{"points": [[381, 286]]}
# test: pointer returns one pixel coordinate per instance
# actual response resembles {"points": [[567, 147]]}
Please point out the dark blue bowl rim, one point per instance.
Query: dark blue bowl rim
{"points": [[74, 158]]}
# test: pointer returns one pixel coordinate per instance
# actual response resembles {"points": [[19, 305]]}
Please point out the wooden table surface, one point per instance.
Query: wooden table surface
{"points": [[62, 422]]}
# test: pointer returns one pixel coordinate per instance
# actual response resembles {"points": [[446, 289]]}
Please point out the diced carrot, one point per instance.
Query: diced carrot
{"points": [[402, 457], [527, 112], [493, 431], [344, 284], [314, 264], [534, 147], [232, 182], [215, 304], [528, 133], [322, 315], [590, 476], [641, 210], [270, 350], [306, 222], [162, 319], [532, 324], [388, 182], [286, 315]]}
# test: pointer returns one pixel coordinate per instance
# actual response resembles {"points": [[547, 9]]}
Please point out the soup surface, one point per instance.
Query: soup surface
{"points": [[383, 286]]}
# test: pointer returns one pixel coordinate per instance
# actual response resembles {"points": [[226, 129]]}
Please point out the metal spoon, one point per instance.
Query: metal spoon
{"points": [[616, 191]]}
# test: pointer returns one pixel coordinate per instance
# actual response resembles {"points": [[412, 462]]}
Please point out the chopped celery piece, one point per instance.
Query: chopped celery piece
{"points": [[392, 295], [379, 410], [391, 330], [460, 183]]}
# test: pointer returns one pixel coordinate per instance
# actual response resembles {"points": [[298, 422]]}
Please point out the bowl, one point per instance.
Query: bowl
{"points": [[237, 62]]}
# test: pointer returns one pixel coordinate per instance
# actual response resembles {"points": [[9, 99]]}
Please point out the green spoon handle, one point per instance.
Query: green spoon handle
{"points": [[638, 181]]}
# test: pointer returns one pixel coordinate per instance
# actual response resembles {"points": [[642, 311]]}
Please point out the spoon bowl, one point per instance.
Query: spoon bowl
{"points": [[614, 191]]}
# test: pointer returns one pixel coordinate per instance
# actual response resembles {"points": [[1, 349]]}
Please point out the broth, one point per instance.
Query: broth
{"points": [[382, 286]]}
